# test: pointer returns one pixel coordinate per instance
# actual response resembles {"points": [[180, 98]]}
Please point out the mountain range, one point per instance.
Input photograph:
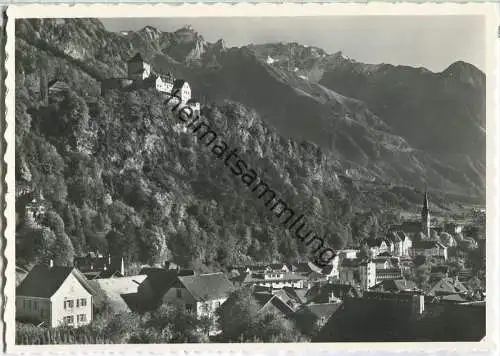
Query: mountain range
{"points": [[324, 128]]}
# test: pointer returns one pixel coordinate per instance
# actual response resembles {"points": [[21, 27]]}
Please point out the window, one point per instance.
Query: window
{"points": [[68, 319], [81, 318], [35, 305], [179, 293], [217, 304], [205, 307], [83, 302], [68, 304]]}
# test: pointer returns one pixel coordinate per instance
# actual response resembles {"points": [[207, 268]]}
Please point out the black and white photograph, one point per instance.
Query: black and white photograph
{"points": [[248, 179]]}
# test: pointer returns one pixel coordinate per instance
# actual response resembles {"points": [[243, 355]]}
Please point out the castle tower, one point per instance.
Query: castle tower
{"points": [[138, 69], [426, 218]]}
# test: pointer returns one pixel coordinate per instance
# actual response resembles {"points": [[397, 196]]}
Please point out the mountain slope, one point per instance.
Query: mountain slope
{"points": [[117, 174]]}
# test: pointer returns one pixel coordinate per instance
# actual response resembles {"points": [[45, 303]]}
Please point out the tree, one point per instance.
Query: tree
{"points": [[63, 251], [176, 325], [422, 275], [241, 319]]}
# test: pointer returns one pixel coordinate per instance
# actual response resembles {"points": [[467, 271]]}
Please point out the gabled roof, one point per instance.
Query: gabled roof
{"points": [[354, 262], [43, 281], [448, 286], [393, 236], [159, 279], [374, 242], [297, 294], [111, 289], [427, 244], [179, 83], [207, 286], [453, 298], [394, 285], [266, 300], [166, 78], [322, 310]]}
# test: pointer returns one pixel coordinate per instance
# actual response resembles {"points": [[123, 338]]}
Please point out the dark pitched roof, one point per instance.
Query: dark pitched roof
{"points": [[266, 300], [178, 83], [354, 262], [427, 244], [453, 298], [448, 286], [339, 290], [263, 297], [374, 242], [322, 310], [297, 294], [394, 285], [302, 267], [159, 279], [439, 269], [43, 281], [166, 78], [393, 236], [207, 286]]}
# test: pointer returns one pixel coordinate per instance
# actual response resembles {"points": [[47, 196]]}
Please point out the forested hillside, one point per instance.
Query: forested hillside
{"points": [[117, 174]]}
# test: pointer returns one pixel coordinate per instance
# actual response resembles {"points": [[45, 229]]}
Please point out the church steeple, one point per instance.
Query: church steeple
{"points": [[426, 218]]}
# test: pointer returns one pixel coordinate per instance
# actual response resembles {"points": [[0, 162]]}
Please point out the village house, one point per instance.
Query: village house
{"points": [[388, 273], [201, 294], [397, 243], [394, 286], [194, 105], [452, 227], [448, 286], [54, 296], [332, 292], [273, 279], [267, 303], [429, 248], [270, 302], [378, 246], [348, 253], [401, 241], [113, 293], [362, 272], [182, 90], [376, 316], [164, 83], [312, 317]]}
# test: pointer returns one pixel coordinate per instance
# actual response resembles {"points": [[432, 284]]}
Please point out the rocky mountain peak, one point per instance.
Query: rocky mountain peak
{"points": [[466, 73]]}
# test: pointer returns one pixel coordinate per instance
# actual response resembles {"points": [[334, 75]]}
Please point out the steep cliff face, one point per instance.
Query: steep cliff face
{"points": [[119, 173]]}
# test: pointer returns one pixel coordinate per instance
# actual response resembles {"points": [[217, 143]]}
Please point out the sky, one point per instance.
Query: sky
{"points": [[433, 42]]}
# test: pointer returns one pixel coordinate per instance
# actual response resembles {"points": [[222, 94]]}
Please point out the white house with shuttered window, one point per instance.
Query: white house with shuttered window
{"points": [[54, 296]]}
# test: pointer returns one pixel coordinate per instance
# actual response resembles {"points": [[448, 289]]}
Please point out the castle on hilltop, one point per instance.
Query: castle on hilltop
{"points": [[141, 75]]}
